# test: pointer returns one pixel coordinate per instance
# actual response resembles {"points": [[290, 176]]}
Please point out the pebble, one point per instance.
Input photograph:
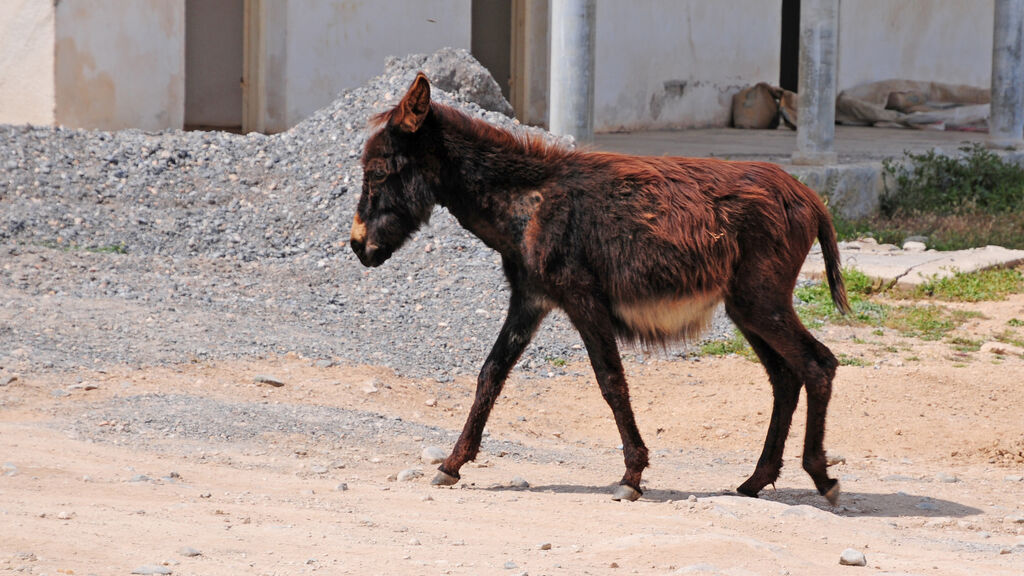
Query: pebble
{"points": [[946, 478], [851, 557], [9, 469], [510, 565], [152, 569], [431, 402], [834, 459], [1013, 478], [341, 487], [544, 546], [414, 542], [5, 380], [519, 482], [409, 474], [269, 380], [65, 515], [912, 246], [1014, 519], [433, 455], [189, 551]]}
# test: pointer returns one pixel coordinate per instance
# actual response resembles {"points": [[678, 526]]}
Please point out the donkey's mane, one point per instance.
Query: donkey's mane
{"points": [[480, 130]]}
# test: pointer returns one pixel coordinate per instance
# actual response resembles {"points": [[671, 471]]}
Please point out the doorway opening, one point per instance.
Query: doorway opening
{"points": [[214, 40], [789, 65], [491, 39]]}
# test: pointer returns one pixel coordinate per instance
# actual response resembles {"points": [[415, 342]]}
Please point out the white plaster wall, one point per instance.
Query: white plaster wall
{"points": [[928, 40], [26, 62], [120, 64], [706, 50], [330, 46]]}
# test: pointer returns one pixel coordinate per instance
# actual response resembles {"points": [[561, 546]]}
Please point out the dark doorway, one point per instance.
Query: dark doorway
{"points": [[789, 66], [213, 64], [491, 39]]}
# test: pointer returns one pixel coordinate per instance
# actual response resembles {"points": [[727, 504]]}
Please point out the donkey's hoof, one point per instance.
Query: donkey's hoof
{"points": [[625, 492], [443, 479], [832, 495]]}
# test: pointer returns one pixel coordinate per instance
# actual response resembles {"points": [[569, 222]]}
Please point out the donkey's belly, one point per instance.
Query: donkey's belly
{"points": [[668, 318]]}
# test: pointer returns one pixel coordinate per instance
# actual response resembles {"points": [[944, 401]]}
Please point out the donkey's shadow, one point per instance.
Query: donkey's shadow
{"points": [[852, 504]]}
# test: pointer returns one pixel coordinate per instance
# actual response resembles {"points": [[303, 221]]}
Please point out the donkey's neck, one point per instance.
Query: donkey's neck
{"points": [[494, 182]]}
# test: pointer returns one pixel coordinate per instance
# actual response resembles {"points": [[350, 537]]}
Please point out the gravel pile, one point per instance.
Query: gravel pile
{"points": [[160, 247]]}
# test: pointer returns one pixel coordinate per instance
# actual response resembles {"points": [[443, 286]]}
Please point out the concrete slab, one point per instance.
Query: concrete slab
{"points": [[852, 186], [904, 269]]}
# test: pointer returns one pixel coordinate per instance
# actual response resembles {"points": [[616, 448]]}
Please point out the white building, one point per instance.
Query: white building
{"points": [[266, 64]]}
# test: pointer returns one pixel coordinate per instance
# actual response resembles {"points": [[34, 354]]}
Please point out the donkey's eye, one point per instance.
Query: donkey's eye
{"points": [[377, 176]]}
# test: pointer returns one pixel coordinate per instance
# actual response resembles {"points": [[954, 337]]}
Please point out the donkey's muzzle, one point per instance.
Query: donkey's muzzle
{"points": [[369, 255]]}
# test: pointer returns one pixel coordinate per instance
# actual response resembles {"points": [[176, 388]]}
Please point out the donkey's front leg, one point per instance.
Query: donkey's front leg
{"points": [[524, 315], [594, 324]]}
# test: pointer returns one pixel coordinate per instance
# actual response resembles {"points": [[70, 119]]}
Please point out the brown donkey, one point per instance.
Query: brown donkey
{"points": [[639, 248]]}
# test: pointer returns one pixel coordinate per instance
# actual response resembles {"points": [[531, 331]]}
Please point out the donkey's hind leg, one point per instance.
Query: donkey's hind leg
{"points": [[524, 315], [785, 392], [777, 324]]}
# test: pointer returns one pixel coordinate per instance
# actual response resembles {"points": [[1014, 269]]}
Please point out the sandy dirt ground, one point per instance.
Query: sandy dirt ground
{"points": [[928, 443]]}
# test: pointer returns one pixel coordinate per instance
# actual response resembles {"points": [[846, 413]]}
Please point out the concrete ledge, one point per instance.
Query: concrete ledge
{"points": [[906, 269], [851, 190]]}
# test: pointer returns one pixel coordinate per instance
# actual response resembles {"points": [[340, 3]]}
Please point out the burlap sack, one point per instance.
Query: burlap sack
{"points": [[755, 107]]}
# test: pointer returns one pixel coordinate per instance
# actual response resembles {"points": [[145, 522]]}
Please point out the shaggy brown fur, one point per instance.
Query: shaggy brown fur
{"points": [[636, 248]]}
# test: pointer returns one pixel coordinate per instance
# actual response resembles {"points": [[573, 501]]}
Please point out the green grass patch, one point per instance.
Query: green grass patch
{"points": [[927, 322], [1010, 337], [961, 344], [1015, 322], [816, 307], [847, 360], [736, 345], [994, 284], [557, 362], [119, 248], [924, 321]]}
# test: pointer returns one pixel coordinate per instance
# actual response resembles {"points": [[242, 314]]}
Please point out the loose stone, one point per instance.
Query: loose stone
{"points": [[269, 380], [433, 455], [851, 557], [409, 474]]}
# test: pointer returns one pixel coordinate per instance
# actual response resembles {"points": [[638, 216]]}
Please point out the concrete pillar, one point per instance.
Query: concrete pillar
{"points": [[816, 110], [573, 23], [1006, 123]]}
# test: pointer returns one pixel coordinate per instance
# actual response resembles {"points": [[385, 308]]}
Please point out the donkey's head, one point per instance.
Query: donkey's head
{"points": [[401, 171]]}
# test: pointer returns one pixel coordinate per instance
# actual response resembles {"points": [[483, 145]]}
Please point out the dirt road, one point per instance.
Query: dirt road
{"points": [[199, 469]]}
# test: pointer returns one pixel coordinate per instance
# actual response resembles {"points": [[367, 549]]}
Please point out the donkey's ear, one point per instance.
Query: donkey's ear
{"points": [[413, 108]]}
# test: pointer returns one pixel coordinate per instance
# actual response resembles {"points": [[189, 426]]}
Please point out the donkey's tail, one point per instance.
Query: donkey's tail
{"points": [[830, 251]]}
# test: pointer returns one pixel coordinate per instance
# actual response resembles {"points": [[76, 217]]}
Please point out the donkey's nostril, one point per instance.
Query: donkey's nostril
{"points": [[357, 245], [370, 251]]}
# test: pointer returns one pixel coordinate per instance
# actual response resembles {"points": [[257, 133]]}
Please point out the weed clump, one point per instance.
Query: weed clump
{"points": [[964, 201]]}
